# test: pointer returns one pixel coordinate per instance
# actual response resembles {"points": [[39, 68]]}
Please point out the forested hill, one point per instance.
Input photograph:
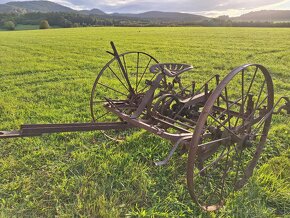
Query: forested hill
{"points": [[265, 16], [170, 16], [32, 12], [94, 11], [22, 7], [39, 6], [51, 7], [7, 9]]}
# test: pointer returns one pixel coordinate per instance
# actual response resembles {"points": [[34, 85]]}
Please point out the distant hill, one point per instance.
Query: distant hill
{"points": [[47, 7], [7, 9], [265, 15], [39, 6], [23, 7], [94, 11], [168, 16], [43, 7]]}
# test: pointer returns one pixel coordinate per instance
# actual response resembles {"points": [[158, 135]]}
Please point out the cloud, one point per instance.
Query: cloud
{"points": [[134, 6], [68, 4], [191, 6], [236, 11]]}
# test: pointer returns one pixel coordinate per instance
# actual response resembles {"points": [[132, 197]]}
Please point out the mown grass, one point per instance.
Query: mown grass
{"points": [[26, 27], [23, 27], [47, 76]]}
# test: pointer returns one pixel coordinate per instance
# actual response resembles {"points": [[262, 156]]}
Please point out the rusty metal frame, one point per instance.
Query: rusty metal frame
{"points": [[185, 118]]}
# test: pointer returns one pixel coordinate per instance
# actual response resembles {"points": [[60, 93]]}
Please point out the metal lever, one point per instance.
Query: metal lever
{"points": [[148, 97], [125, 74]]}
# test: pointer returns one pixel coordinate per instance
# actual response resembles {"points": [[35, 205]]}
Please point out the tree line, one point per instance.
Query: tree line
{"points": [[67, 20]]}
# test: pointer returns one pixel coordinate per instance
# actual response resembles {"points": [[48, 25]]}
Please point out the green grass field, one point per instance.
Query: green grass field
{"points": [[47, 77]]}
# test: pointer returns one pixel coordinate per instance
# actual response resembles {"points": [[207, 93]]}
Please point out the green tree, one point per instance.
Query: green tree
{"points": [[67, 23], [44, 24], [9, 25], [76, 25]]}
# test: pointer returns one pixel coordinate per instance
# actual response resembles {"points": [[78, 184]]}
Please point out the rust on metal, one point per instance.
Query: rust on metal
{"points": [[221, 124]]}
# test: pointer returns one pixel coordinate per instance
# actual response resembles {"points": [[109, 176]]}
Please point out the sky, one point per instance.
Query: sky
{"points": [[211, 8]]}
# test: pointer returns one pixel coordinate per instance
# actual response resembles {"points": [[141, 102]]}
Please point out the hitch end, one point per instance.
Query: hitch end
{"points": [[10, 134]]}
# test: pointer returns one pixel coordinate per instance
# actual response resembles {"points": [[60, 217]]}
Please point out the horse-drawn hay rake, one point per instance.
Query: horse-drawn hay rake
{"points": [[222, 125]]}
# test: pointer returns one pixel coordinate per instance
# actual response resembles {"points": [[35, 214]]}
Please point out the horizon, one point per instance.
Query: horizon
{"points": [[201, 7]]}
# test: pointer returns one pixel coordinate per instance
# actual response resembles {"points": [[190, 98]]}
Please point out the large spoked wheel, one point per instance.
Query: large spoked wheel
{"points": [[121, 81], [230, 135]]}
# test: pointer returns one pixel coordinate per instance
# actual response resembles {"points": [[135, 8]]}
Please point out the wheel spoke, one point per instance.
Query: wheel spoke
{"points": [[113, 85], [112, 89], [224, 175], [143, 73], [258, 105], [230, 131], [253, 113], [118, 79], [211, 164], [238, 154], [243, 100], [120, 70], [137, 70], [209, 177], [226, 110], [259, 96], [211, 194], [222, 178], [227, 103], [262, 121], [251, 83], [99, 117], [125, 65], [231, 163], [146, 85], [124, 73]]}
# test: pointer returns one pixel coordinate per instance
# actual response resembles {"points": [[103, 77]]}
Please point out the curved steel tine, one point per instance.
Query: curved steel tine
{"points": [[166, 160], [285, 107]]}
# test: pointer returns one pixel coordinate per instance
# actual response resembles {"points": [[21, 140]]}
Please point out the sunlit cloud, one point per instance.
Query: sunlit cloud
{"points": [[283, 5], [69, 4], [229, 12]]}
